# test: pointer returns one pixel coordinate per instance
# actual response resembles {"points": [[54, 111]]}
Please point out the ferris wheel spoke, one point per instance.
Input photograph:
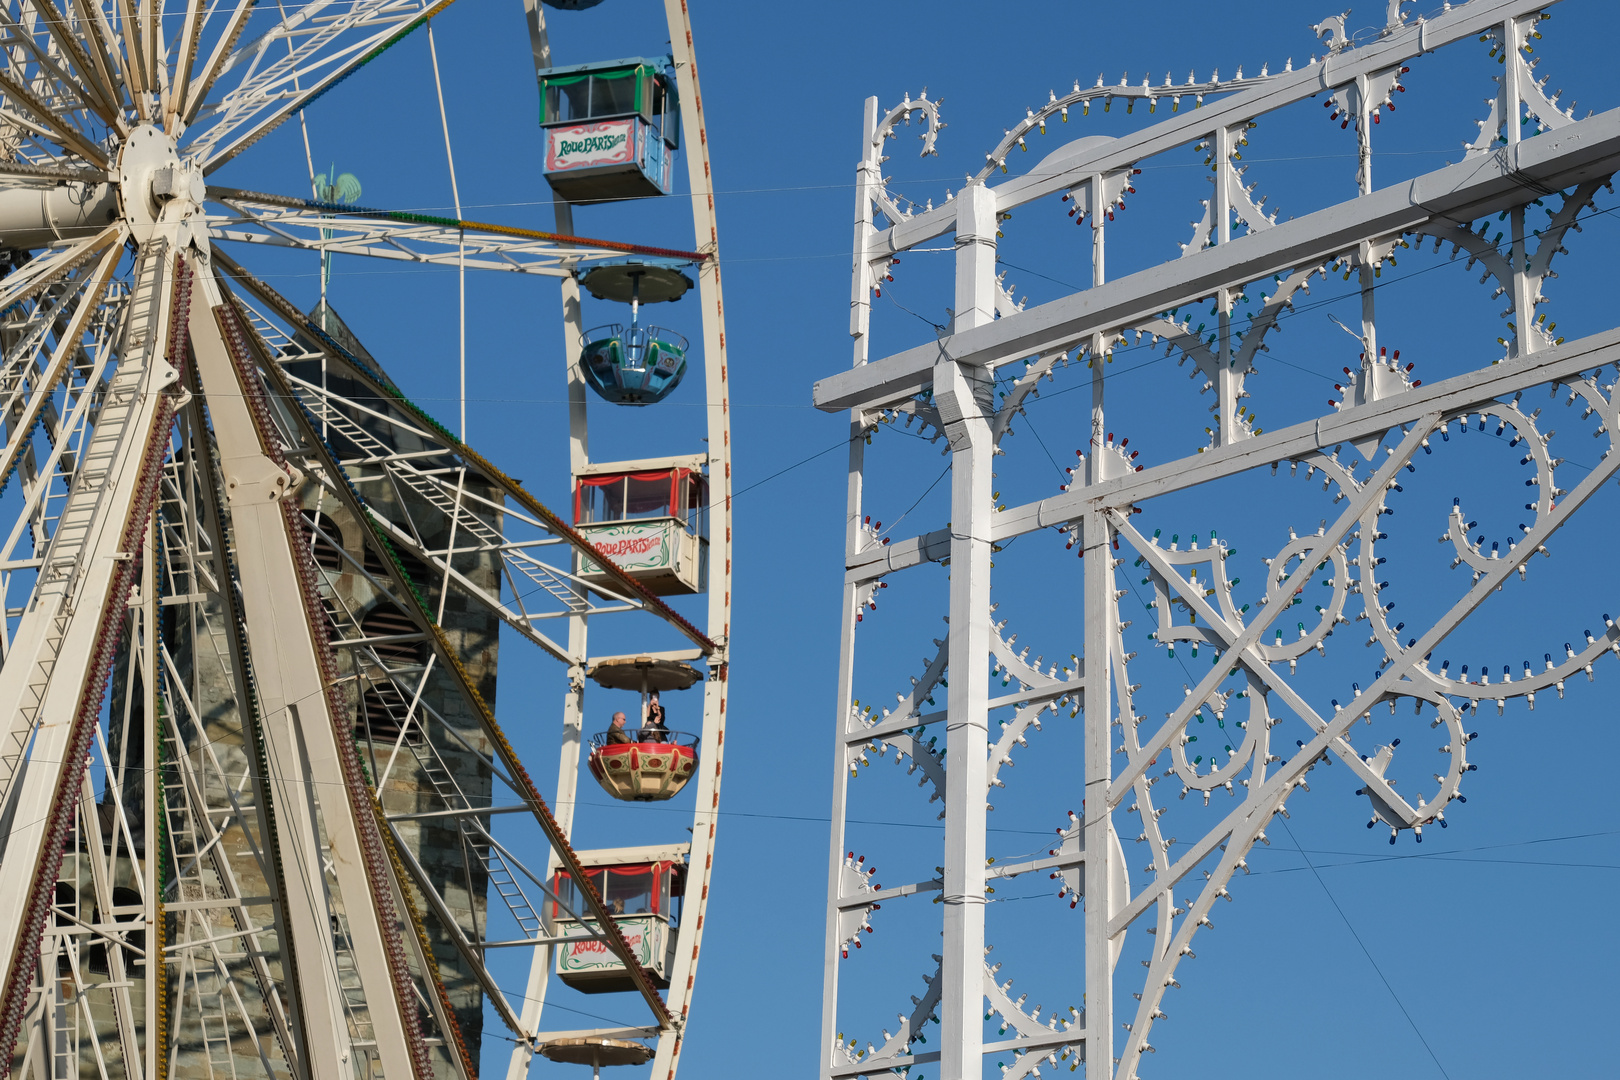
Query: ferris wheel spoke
{"points": [[48, 483], [480, 853], [311, 739], [137, 37], [88, 571], [113, 939], [423, 502], [34, 149], [28, 402], [409, 544], [97, 48], [618, 584], [155, 51], [517, 620], [50, 266], [28, 331], [488, 525], [199, 82], [524, 574], [179, 81], [126, 39], [83, 88], [420, 478], [89, 56], [43, 270], [55, 119], [330, 227], [325, 49], [469, 951]]}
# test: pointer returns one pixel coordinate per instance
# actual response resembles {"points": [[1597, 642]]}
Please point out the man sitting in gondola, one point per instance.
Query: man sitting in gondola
{"points": [[616, 732]]}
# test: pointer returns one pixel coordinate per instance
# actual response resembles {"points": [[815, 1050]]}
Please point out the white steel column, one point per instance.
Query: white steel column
{"points": [[1227, 381], [151, 868], [1098, 842], [1522, 288], [299, 742], [963, 394], [860, 323]]}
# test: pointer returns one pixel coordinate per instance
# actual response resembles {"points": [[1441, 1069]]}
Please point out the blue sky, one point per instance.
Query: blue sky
{"points": [[1481, 954]]}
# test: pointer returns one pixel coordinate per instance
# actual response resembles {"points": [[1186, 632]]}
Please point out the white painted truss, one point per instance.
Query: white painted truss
{"points": [[1138, 777]]}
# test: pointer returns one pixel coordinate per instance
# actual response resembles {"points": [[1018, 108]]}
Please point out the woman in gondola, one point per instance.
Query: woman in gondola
{"points": [[653, 728]]}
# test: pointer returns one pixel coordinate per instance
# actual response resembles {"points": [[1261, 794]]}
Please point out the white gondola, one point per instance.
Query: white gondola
{"points": [[643, 888], [652, 522]]}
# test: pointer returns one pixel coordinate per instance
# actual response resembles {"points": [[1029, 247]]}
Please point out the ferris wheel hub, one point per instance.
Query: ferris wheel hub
{"points": [[157, 190]]}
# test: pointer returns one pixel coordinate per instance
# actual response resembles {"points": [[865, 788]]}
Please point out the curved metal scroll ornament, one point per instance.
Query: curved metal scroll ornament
{"points": [[928, 112], [1195, 604]]}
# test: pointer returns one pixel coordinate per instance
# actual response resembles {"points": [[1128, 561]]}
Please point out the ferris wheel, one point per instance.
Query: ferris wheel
{"points": [[259, 816]]}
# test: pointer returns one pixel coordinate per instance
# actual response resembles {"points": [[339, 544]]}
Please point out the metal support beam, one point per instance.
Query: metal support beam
{"points": [[964, 395], [1462, 192], [311, 786], [76, 613]]}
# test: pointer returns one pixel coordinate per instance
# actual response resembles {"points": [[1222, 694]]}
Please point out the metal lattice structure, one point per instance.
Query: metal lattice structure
{"points": [[251, 764], [971, 387]]}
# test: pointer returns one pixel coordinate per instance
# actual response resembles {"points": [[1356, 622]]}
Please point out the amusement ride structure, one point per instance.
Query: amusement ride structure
{"points": [[1158, 823], [254, 795]]}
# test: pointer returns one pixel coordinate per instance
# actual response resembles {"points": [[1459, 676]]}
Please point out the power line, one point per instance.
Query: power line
{"points": [[815, 818], [849, 186], [1366, 952], [942, 474]]}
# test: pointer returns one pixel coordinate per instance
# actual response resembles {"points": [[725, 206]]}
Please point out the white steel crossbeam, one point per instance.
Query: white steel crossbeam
{"points": [[328, 42], [1462, 192], [1459, 394], [407, 237], [1061, 171], [1455, 395]]}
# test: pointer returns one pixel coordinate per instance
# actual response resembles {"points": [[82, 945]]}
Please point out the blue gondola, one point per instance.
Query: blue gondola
{"points": [[634, 365]]}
